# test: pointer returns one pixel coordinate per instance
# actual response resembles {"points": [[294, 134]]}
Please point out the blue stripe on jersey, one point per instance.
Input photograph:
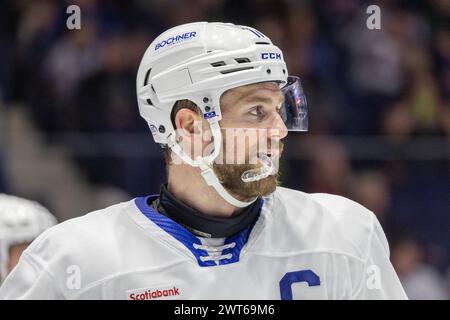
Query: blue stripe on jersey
{"points": [[240, 239], [174, 229], [188, 239]]}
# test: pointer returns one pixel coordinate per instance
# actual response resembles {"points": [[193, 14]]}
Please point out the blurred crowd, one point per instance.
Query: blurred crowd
{"points": [[379, 102]]}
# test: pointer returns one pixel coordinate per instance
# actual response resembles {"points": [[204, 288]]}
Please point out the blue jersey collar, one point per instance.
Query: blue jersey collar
{"points": [[189, 240]]}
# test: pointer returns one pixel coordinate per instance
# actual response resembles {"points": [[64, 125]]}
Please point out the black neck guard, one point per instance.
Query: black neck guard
{"points": [[201, 224]]}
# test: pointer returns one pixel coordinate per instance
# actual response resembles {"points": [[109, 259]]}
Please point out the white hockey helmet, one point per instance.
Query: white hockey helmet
{"points": [[21, 221], [200, 61]]}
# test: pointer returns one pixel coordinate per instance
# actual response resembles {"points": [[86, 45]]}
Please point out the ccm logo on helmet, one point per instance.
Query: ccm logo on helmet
{"points": [[271, 55], [175, 39]]}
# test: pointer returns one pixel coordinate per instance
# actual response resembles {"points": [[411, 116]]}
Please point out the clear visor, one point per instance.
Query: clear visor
{"points": [[294, 110]]}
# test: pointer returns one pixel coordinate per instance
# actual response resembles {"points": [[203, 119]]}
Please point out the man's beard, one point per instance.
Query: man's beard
{"points": [[230, 177]]}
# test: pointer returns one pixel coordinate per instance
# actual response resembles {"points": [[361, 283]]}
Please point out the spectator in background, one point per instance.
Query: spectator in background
{"points": [[371, 188], [21, 221], [376, 73], [72, 58], [442, 54], [330, 169], [69, 60], [420, 280], [421, 110], [104, 104]]}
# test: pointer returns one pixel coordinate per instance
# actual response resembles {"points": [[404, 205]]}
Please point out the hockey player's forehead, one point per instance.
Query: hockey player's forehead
{"points": [[264, 90]]}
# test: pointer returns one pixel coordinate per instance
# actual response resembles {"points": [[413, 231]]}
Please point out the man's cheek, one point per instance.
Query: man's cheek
{"points": [[252, 154]]}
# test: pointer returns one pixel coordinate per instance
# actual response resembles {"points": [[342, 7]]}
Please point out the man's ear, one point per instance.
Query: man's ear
{"points": [[187, 122]]}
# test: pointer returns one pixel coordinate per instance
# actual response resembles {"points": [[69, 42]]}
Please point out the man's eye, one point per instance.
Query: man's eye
{"points": [[257, 112]]}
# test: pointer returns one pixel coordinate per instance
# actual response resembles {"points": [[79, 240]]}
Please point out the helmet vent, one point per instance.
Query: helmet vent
{"points": [[235, 70], [259, 42], [242, 60], [145, 83], [218, 64], [146, 76]]}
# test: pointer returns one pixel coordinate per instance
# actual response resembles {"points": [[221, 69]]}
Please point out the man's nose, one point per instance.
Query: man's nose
{"points": [[278, 127]]}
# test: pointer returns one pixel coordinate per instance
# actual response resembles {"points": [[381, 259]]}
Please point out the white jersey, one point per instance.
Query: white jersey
{"points": [[303, 246]]}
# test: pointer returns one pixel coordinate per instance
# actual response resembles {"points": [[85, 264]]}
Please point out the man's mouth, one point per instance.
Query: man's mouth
{"points": [[273, 154]]}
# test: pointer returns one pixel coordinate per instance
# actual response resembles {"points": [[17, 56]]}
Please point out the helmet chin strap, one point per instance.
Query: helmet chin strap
{"points": [[206, 165]]}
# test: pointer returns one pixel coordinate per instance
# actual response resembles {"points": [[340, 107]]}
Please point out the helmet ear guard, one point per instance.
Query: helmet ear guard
{"points": [[199, 62]]}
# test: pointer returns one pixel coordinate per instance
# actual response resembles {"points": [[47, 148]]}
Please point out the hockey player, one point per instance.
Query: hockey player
{"points": [[220, 228], [21, 221]]}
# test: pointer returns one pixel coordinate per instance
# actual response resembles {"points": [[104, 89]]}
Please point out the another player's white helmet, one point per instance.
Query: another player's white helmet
{"points": [[199, 62], [21, 221]]}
